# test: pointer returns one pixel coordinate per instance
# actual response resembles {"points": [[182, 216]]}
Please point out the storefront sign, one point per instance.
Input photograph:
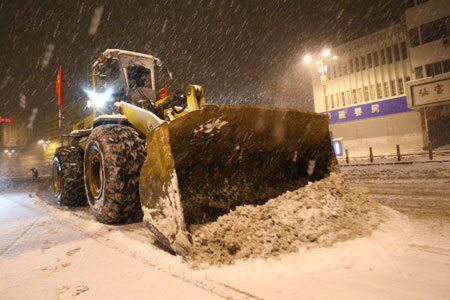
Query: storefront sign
{"points": [[369, 110], [425, 94]]}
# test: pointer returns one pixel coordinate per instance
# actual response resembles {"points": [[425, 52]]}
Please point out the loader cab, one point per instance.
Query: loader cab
{"points": [[140, 90]]}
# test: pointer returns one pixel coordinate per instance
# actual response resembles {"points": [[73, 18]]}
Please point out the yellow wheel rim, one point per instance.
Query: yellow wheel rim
{"points": [[57, 177], [95, 175]]}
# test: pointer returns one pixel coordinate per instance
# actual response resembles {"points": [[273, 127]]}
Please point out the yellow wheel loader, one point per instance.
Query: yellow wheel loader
{"points": [[158, 152]]}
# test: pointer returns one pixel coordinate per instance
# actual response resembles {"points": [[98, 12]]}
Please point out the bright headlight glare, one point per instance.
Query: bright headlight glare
{"points": [[99, 99]]}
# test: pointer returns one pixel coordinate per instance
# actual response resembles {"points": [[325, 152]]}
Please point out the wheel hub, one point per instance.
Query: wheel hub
{"points": [[95, 175], [57, 177]]}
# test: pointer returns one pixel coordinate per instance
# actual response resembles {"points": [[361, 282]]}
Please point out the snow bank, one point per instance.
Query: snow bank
{"points": [[317, 215]]}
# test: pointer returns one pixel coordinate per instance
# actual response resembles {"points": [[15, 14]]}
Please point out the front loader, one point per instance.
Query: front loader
{"points": [[157, 151]]}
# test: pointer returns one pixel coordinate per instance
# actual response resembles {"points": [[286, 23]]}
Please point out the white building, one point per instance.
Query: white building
{"points": [[366, 86], [428, 25]]}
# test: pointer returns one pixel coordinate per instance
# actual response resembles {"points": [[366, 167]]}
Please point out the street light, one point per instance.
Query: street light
{"points": [[322, 68]]}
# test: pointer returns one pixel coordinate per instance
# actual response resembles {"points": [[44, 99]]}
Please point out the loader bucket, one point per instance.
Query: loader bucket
{"points": [[204, 164]]}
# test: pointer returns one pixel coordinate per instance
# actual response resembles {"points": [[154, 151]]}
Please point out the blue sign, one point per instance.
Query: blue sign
{"points": [[369, 110], [337, 146]]}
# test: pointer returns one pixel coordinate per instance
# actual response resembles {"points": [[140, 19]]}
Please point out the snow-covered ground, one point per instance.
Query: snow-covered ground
{"points": [[49, 253]]}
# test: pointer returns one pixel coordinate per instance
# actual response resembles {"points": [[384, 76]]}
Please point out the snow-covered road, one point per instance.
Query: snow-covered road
{"points": [[48, 253]]}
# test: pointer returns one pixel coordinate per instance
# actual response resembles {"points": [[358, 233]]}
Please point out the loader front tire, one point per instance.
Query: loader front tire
{"points": [[68, 178], [112, 163]]}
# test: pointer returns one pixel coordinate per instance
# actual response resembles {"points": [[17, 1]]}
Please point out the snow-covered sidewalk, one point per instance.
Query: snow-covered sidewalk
{"points": [[48, 253]]}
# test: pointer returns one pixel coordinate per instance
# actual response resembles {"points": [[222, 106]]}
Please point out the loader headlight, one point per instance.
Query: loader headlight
{"points": [[99, 99]]}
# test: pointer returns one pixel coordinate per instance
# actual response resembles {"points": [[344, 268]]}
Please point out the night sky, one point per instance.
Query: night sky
{"points": [[239, 51]]}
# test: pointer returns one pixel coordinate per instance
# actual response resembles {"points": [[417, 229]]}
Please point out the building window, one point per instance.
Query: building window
{"points": [[435, 30], [404, 51], [343, 98], [369, 60], [393, 88], [383, 57], [363, 63], [401, 89], [334, 71], [337, 100], [414, 37], [350, 64], [429, 70], [347, 96], [437, 68], [366, 93], [332, 101], [360, 94], [340, 70], [389, 54], [379, 91], [375, 58], [446, 64], [386, 89], [372, 92], [354, 96], [357, 64], [397, 52], [345, 69], [418, 71]]}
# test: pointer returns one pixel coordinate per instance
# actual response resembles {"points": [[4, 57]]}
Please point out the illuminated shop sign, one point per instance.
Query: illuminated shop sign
{"points": [[369, 110], [431, 92], [337, 146]]}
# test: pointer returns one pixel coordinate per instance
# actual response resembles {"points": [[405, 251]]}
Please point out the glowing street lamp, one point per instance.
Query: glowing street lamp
{"points": [[322, 68]]}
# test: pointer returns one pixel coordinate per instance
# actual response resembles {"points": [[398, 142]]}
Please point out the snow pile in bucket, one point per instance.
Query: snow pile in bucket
{"points": [[317, 215]]}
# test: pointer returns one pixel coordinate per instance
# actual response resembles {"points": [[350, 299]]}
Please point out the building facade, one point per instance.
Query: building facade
{"points": [[428, 25], [366, 93]]}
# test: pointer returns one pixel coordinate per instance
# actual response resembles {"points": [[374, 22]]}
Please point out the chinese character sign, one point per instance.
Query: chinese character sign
{"points": [[369, 110], [429, 93]]}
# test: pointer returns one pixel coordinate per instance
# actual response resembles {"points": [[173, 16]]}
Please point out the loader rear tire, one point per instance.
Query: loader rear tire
{"points": [[68, 180], [112, 163]]}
